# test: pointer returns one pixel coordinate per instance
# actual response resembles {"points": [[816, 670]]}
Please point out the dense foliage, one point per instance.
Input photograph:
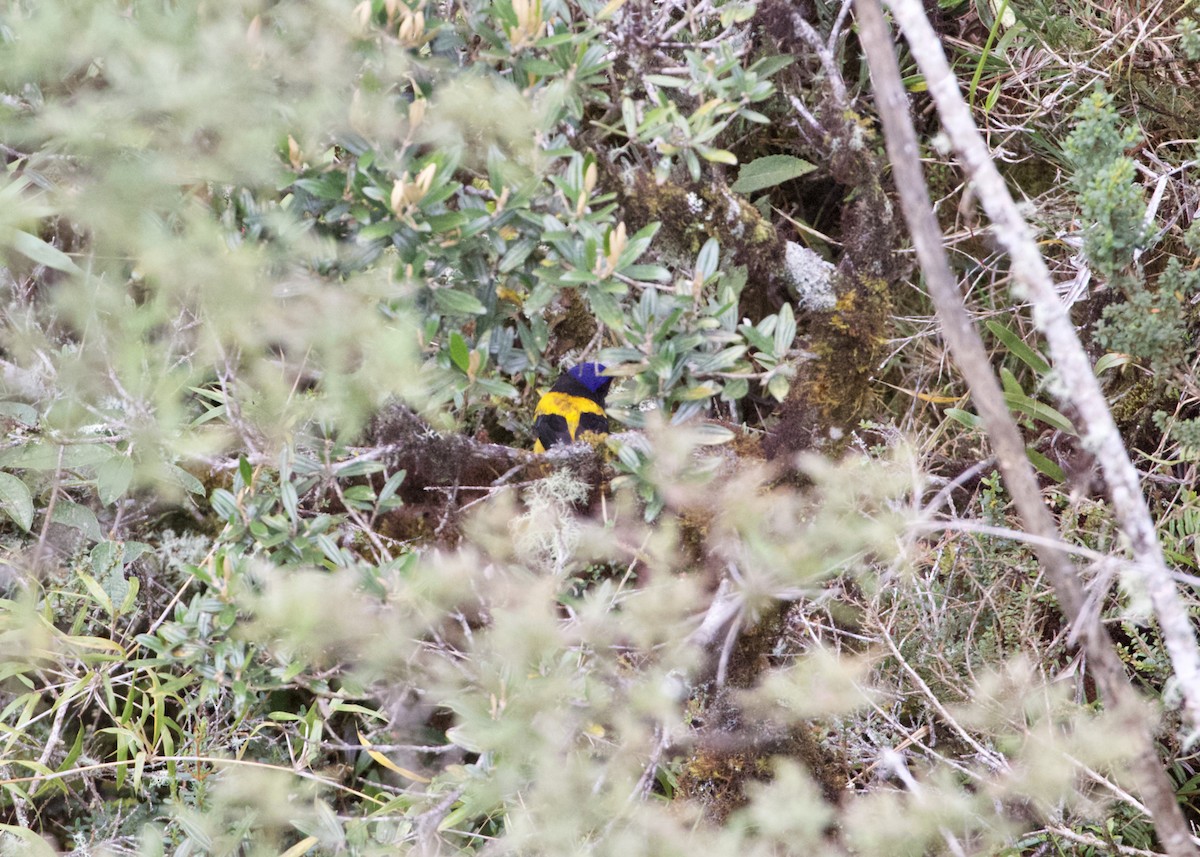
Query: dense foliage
{"points": [[282, 283]]}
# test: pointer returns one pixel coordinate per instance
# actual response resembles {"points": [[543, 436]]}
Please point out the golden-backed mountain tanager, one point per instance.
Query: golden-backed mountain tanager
{"points": [[574, 405]]}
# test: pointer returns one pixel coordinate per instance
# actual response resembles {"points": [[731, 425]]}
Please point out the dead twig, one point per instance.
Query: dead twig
{"points": [[1079, 383], [972, 360]]}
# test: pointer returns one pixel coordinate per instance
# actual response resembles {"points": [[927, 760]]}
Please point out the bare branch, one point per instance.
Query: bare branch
{"points": [[973, 362], [1079, 384]]}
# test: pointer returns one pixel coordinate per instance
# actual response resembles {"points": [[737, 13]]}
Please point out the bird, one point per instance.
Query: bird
{"points": [[574, 405]]}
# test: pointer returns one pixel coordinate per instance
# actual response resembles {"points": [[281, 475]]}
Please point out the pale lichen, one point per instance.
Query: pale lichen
{"points": [[809, 278]]}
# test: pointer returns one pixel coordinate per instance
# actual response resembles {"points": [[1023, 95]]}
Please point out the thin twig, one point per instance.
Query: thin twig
{"points": [[39, 550]]}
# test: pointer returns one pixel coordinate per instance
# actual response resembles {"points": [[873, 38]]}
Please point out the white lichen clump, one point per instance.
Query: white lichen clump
{"points": [[546, 536], [810, 278]]}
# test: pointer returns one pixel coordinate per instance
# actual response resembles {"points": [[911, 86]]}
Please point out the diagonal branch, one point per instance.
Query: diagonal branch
{"points": [[1080, 386], [973, 362]]}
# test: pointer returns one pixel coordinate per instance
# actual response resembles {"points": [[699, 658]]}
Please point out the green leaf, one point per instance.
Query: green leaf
{"points": [[376, 231], [542, 67], [16, 500], [458, 303], [79, 517], [330, 186], [778, 387], [1018, 348], [721, 360], [711, 434], [770, 171], [1039, 411], [358, 468], [360, 493], [736, 13], [105, 557], [224, 504], [1010, 383], [496, 387], [42, 253], [718, 156], [756, 338], [516, 255], [735, 389], [629, 117], [647, 273], [245, 471], [706, 261], [290, 500], [966, 418], [697, 393], [605, 307], [1044, 465], [556, 40], [578, 277], [183, 479], [20, 412], [96, 591], [1112, 360], [33, 845], [448, 221], [133, 550], [460, 354], [51, 456], [785, 331], [665, 81], [391, 486], [113, 478], [767, 66]]}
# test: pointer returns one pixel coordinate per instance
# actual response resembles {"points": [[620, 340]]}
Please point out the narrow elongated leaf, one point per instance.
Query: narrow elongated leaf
{"points": [[1111, 360], [388, 763], [1039, 411], [966, 418], [706, 261], [1044, 465], [767, 172], [96, 591], [1010, 383], [718, 156], [458, 303], [391, 486], [712, 434], [767, 66], [1019, 349], [785, 331], [459, 352], [606, 308], [178, 476], [302, 847], [31, 843], [42, 253]]}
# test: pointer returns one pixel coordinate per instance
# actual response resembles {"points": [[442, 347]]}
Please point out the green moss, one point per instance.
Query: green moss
{"points": [[691, 214], [573, 325], [835, 388]]}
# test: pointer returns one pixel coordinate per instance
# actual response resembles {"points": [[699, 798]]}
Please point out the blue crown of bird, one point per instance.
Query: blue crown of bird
{"points": [[574, 405]]}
